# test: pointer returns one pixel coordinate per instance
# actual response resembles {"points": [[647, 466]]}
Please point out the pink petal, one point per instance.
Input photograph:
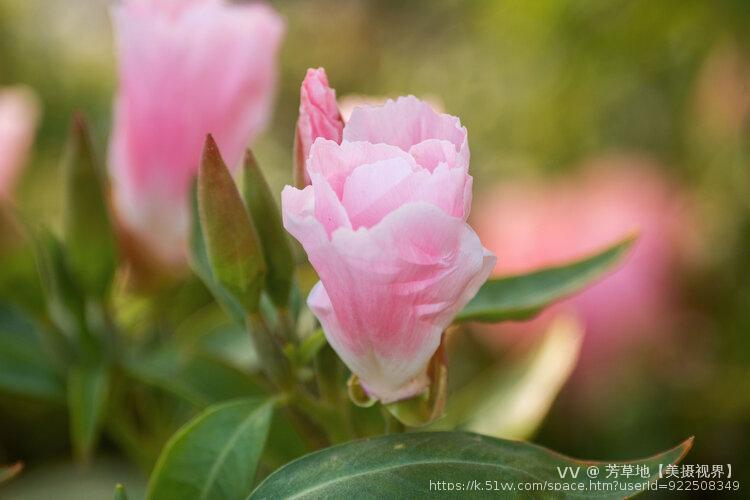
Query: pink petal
{"points": [[449, 189], [375, 189], [186, 69], [19, 112], [432, 152], [392, 291], [336, 162], [318, 117], [328, 208], [403, 123]]}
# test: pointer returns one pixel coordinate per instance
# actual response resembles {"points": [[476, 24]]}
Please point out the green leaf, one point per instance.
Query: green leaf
{"points": [[229, 342], [214, 456], [523, 296], [87, 398], [404, 465], [265, 214], [196, 377], [26, 366], [120, 493], [232, 242], [201, 266], [64, 302], [10, 471], [89, 235]]}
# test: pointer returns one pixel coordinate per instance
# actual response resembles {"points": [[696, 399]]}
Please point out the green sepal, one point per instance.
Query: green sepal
{"points": [[232, 242], [267, 219], [88, 230]]}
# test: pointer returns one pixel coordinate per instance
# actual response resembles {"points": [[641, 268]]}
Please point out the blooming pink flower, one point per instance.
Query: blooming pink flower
{"points": [[18, 117], [383, 224], [187, 68], [318, 117], [535, 224]]}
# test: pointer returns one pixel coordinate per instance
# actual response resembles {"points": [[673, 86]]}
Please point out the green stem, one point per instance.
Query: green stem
{"points": [[329, 375], [308, 430], [273, 361], [325, 416], [287, 325]]}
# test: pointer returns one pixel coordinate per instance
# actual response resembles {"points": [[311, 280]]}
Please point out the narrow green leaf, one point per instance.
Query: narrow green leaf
{"points": [[26, 366], [267, 219], [412, 465], [89, 234], [232, 242], [201, 266], [87, 398], [120, 493], [64, 301], [10, 471], [523, 296], [214, 456]]}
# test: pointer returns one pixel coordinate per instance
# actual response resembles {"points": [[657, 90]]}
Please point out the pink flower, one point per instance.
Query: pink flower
{"points": [[318, 117], [187, 68], [19, 112], [535, 224], [384, 225]]}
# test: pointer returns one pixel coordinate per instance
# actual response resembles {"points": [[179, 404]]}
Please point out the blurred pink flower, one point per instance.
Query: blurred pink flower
{"points": [[19, 112], [187, 68], [318, 117], [383, 224], [534, 224]]}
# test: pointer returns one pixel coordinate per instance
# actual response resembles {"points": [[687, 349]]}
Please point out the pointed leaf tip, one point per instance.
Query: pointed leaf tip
{"points": [[250, 161], [402, 466], [211, 150], [520, 297], [232, 242], [89, 231]]}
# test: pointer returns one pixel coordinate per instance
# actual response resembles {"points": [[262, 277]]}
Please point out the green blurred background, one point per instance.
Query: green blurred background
{"points": [[542, 86]]}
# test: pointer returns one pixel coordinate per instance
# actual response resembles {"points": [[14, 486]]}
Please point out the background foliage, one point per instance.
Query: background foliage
{"points": [[542, 87]]}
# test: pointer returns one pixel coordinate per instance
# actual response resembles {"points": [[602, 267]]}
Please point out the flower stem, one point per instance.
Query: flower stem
{"points": [[274, 363]]}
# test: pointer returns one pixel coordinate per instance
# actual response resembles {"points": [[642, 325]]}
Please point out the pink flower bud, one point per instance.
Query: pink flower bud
{"points": [[19, 111], [384, 225], [319, 116], [187, 68]]}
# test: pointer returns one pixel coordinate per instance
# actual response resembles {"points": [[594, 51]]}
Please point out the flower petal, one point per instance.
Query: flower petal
{"points": [[403, 123], [373, 190], [392, 290], [336, 162], [328, 208], [432, 152], [186, 69]]}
